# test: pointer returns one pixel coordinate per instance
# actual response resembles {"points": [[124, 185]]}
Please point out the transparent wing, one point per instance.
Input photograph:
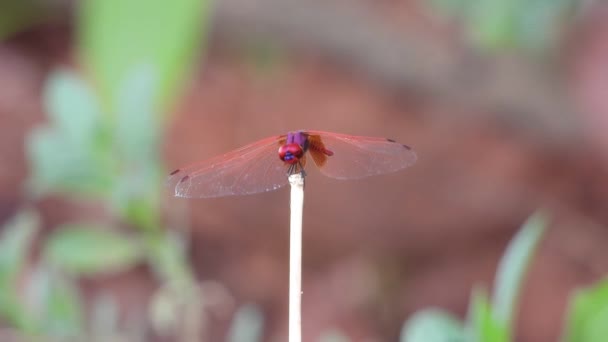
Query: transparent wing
{"points": [[357, 157], [251, 169]]}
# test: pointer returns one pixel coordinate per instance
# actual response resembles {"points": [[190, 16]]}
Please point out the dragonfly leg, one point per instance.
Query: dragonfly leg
{"points": [[296, 168], [302, 172]]}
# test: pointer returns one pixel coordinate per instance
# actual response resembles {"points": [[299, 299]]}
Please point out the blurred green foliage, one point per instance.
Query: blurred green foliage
{"points": [[49, 303], [15, 241], [433, 325], [487, 321], [492, 321], [247, 325], [513, 268], [58, 309], [483, 323], [102, 145], [88, 249], [532, 25], [118, 36], [588, 315], [72, 153]]}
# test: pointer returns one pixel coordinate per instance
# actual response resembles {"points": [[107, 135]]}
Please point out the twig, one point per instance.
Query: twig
{"points": [[295, 258]]}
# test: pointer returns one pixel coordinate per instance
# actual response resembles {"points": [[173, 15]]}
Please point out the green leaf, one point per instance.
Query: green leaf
{"points": [[89, 250], [137, 210], [534, 25], [588, 315], [432, 325], [59, 166], [64, 311], [482, 326], [70, 154], [137, 140], [72, 106], [513, 268], [165, 311], [167, 256], [492, 22], [57, 301], [138, 130], [15, 243], [247, 325], [117, 35]]}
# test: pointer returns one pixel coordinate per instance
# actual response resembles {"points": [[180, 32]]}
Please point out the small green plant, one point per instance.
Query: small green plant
{"points": [[492, 320], [101, 145], [588, 315], [488, 320]]}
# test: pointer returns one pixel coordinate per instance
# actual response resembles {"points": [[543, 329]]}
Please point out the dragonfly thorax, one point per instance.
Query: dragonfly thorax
{"points": [[291, 153]]}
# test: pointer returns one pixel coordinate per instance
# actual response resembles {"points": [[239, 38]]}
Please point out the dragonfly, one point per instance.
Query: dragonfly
{"points": [[266, 164]]}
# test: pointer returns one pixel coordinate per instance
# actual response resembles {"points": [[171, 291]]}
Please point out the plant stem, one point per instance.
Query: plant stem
{"points": [[295, 258]]}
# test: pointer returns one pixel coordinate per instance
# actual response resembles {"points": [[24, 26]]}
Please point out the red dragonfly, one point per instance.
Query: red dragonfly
{"points": [[258, 167]]}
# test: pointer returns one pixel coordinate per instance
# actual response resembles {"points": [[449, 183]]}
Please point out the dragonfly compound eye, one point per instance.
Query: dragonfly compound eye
{"points": [[290, 153]]}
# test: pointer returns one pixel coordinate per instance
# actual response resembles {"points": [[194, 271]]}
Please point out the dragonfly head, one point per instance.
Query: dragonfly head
{"points": [[291, 153]]}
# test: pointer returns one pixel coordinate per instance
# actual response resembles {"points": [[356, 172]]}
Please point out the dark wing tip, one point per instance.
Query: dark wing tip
{"points": [[185, 178], [404, 145], [174, 172]]}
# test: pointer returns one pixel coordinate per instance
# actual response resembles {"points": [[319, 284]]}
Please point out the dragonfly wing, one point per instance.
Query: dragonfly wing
{"points": [[357, 157], [248, 170]]}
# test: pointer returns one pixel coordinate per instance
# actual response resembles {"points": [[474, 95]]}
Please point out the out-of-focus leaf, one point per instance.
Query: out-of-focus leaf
{"points": [[72, 106], [138, 129], [588, 315], [139, 211], [514, 266], [89, 249], [432, 325], [247, 325], [164, 311], [56, 302], [533, 25], [166, 254], [166, 35], [12, 312], [178, 311], [481, 324], [71, 154], [137, 139], [493, 22], [15, 242], [58, 166]]}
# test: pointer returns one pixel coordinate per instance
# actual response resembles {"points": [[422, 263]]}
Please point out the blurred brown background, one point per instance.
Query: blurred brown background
{"points": [[498, 135]]}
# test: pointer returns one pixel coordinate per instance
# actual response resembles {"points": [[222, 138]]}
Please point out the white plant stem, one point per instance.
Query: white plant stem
{"points": [[295, 258]]}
